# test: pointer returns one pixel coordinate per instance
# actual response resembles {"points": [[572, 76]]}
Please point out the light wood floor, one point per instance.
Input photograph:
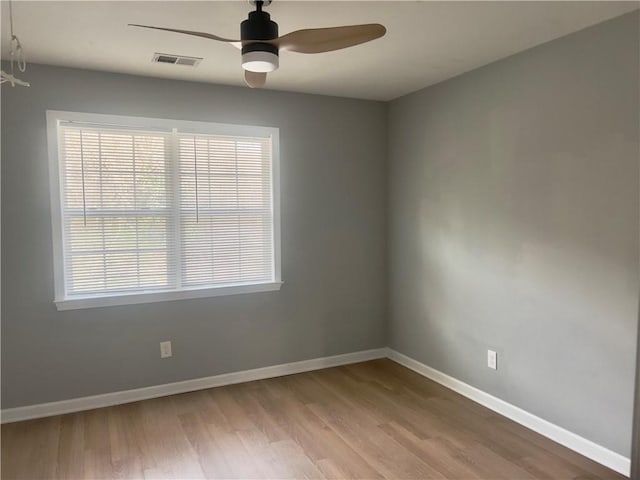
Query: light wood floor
{"points": [[370, 420]]}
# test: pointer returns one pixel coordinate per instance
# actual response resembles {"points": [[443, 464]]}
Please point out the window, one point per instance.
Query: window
{"points": [[146, 210]]}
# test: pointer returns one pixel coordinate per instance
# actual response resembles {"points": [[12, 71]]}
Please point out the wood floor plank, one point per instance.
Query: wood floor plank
{"points": [[263, 453], [371, 420], [377, 448], [210, 456], [70, 462], [320, 442], [234, 452], [289, 453], [332, 471], [170, 449], [430, 452], [249, 401]]}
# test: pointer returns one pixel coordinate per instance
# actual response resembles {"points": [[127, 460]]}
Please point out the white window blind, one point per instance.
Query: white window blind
{"points": [[117, 211], [225, 210], [159, 210]]}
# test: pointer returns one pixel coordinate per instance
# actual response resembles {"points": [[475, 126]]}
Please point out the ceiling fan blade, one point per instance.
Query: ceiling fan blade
{"points": [[318, 40], [235, 43], [255, 79]]}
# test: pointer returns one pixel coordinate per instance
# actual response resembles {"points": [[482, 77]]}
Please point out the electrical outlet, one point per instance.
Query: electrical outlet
{"points": [[492, 359], [165, 349]]}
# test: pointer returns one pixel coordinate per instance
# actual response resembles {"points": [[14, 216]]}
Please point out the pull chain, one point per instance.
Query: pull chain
{"points": [[16, 57], [195, 167], [84, 198], [16, 48]]}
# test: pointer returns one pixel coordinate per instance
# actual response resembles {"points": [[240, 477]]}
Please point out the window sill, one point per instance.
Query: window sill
{"points": [[133, 299]]}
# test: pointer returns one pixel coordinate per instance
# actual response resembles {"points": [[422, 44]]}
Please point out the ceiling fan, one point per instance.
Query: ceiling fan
{"points": [[261, 45]]}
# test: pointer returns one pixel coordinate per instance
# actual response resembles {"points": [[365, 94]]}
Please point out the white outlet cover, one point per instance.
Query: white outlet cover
{"points": [[165, 349], [492, 359]]}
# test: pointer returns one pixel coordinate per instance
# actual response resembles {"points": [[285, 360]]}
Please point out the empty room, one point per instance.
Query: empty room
{"points": [[320, 239]]}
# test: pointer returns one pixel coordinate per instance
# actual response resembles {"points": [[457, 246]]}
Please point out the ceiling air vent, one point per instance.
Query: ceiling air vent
{"points": [[176, 59]]}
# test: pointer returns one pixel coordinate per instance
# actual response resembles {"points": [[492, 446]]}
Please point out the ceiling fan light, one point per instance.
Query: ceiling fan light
{"points": [[259, 61]]}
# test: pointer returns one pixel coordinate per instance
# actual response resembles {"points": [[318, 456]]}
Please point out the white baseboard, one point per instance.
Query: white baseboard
{"points": [[126, 396], [585, 447]]}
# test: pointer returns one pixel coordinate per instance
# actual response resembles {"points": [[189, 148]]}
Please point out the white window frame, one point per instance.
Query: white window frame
{"points": [[62, 302]]}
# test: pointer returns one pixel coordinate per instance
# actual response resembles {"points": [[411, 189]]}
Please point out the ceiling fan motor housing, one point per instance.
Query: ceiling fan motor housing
{"points": [[258, 56]]}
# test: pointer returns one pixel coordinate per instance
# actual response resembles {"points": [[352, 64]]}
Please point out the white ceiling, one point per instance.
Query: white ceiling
{"points": [[426, 42]]}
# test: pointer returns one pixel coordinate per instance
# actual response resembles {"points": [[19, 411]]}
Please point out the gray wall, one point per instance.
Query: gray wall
{"points": [[514, 227], [333, 186]]}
